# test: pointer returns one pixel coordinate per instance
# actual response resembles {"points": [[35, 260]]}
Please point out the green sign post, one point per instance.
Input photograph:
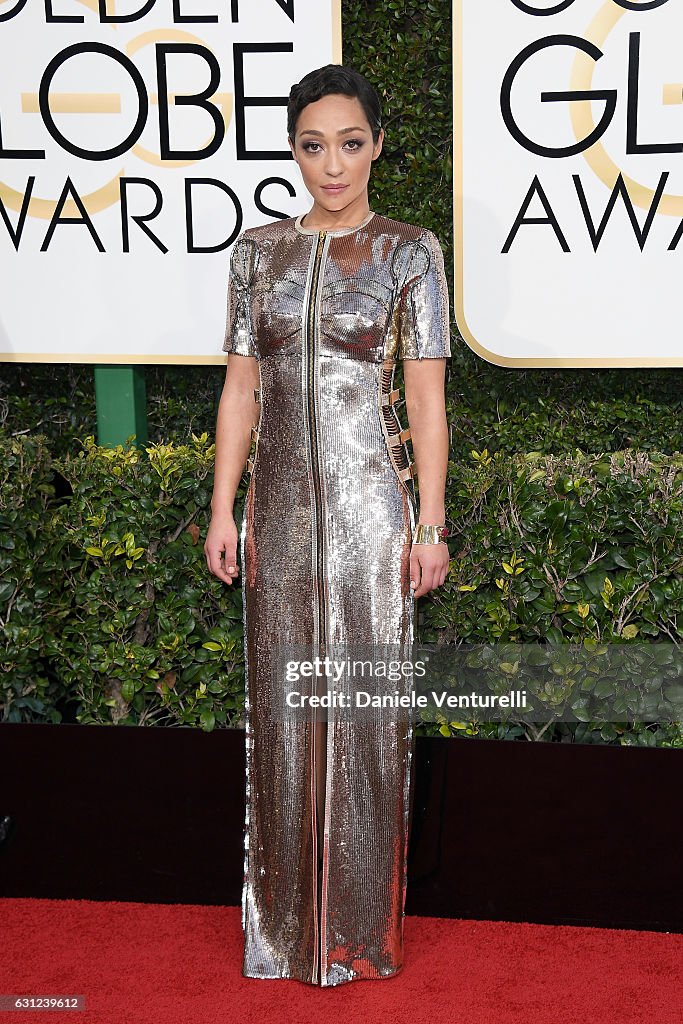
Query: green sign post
{"points": [[121, 400]]}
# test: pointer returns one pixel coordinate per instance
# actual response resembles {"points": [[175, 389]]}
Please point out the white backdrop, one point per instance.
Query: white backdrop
{"points": [[536, 304], [157, 302]]}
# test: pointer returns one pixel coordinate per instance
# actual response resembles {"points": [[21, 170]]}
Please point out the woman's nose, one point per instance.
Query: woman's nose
{"points": [[333, 164]]}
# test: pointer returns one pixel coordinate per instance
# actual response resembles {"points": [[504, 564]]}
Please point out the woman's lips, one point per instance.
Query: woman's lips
{"points": [[334, 188]]}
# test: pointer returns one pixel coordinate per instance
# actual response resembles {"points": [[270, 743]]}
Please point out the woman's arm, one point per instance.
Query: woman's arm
{"points": [[426, 408], [238, 411]]}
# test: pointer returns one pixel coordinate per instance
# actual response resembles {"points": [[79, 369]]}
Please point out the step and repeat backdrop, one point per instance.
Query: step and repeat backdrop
{"points": [[137, 140], [568, 183]]}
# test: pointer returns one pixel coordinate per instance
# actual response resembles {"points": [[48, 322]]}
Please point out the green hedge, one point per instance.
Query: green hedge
{"points": [[111, 614]]}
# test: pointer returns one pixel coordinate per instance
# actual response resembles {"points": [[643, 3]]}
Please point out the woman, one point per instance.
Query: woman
{"points": [[320, 307]]}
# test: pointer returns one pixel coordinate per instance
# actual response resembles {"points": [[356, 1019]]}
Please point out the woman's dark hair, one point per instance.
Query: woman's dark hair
{"points": [[333, 78]]}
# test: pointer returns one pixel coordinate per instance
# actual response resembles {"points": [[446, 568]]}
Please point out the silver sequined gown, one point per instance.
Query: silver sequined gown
{"points": [[325, 547]]}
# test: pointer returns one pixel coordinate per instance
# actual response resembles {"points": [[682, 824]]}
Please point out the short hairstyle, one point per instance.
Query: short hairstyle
{"points": [[334, 78]]}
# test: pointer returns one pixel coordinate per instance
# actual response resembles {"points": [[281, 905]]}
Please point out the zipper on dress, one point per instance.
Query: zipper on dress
{"points": [[313, 439]]}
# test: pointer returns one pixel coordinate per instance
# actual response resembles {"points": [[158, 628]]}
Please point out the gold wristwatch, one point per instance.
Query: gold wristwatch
{"points": [[429, 534]]}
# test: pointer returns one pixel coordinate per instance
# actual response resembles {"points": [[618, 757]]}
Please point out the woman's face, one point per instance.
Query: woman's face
{"points": [[329, 154]]}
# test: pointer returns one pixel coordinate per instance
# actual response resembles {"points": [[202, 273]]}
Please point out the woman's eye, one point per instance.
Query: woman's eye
{"points": [[355, 143]]}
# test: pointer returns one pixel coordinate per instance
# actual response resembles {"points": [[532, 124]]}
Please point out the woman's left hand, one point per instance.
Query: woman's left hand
{"points": [[428, 567]]}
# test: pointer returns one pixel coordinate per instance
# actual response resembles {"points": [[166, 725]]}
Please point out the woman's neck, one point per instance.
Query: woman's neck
{"points": [[313, 215]]}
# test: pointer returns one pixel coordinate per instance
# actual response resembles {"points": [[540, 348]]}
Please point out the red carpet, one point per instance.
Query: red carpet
{"points": [[140, 963]]}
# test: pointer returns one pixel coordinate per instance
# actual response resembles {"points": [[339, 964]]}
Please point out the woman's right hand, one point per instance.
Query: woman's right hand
{"points": [[222, 538]]}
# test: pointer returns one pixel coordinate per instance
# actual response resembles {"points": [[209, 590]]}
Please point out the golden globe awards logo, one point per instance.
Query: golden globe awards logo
{"points": [[135, 130], [569, 212], [168, 52]]}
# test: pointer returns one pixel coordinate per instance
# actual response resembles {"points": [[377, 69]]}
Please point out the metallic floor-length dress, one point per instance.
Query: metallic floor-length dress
{"points": [[325, 549]]}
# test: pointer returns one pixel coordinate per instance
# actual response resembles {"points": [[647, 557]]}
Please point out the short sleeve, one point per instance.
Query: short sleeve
{"points": [[424, 319], [239, 328]]}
